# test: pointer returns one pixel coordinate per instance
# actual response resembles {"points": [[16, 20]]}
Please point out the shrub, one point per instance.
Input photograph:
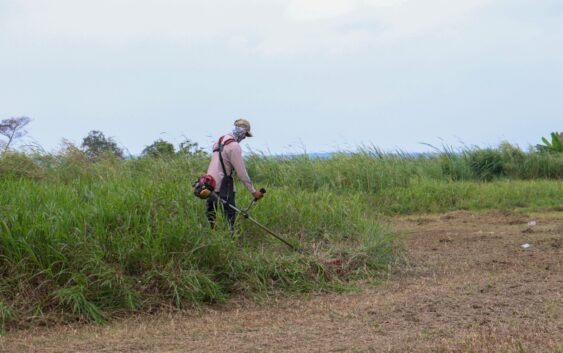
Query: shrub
{"points": [[159, 149], [486, 164], [455, 166], [19, 165], [513, 159]]}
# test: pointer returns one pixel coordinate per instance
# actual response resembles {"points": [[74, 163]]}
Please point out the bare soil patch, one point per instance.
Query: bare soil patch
{"points": [[467, 285]]}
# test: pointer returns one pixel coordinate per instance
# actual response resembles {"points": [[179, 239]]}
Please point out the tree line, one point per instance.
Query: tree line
{"points": [[96, 144]]}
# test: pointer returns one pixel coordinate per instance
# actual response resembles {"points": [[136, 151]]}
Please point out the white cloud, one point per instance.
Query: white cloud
{"points": [[123, 21], [384, 3], [273, 27], [417, 18], [337, 27], [320, 9], [307, 10]]}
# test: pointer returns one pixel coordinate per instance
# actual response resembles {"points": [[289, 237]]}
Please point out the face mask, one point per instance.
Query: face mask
{"points": [[239, 133]]}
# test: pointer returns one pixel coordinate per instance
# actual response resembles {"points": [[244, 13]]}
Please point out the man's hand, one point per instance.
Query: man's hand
{"points": [[257, 195]]}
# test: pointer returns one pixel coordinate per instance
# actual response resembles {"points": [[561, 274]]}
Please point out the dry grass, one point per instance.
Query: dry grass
{"points": [[467, 286]]}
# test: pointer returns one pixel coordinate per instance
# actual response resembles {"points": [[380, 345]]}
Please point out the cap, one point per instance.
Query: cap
{"points": [[245, 125]]}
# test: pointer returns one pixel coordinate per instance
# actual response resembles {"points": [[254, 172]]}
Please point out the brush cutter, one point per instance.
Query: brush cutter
{"points": [[204, 188], [244, 214]]}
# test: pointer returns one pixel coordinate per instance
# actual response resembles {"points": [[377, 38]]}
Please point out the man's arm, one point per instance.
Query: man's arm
{"points": [[238, 164]]}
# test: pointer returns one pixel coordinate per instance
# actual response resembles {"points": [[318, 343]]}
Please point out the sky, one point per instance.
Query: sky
{"points": [[310, 75]]}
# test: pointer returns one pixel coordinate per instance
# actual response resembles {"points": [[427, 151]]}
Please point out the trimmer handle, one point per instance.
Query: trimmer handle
{"points": [[263, 191]]}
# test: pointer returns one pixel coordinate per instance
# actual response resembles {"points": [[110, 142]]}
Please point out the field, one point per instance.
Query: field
{"points": [[466, 286], [123, 243]]}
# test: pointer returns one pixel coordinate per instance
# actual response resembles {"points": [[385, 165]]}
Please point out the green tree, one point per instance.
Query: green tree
{"points": [[160, 149], [12, 129], [555, 145], [189, 148], [97, 144]]}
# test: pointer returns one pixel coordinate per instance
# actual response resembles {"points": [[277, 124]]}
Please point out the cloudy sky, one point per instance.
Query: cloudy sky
{"points": [[320, 75]]}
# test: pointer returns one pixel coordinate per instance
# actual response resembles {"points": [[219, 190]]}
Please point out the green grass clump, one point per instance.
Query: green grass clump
{"points": [[486, 164], [431, 196], [6, 316]]}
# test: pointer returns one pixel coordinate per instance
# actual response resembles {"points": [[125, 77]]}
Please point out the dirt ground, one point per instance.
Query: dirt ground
{"points": [[468, 286]]}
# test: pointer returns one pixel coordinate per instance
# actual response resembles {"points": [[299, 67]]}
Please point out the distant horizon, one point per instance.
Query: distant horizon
{"points": [[299, 147], [30, 142]]}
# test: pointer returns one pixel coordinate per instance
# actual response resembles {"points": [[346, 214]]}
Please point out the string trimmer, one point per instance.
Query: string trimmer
{"points": [[244, 213], [204, 189]]}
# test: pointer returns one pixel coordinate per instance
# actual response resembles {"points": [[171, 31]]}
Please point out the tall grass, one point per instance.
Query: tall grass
{"points": [[369, 170], [90, 240], [84, 240]]}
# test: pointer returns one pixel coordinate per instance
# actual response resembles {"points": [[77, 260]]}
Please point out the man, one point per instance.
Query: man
{"points": [[227, 158]]}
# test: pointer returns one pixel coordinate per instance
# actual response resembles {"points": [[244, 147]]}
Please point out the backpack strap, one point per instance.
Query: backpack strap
{"points": [[220, 145]]}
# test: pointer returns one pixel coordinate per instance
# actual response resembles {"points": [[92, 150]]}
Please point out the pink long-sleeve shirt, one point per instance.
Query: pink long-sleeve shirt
{"points": [[232, 157]]}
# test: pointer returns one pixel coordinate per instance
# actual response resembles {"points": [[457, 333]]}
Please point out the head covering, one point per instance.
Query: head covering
{"points": [[239, 133], [244, 124]]}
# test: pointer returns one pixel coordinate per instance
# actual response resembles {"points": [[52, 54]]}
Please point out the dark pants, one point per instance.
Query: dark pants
{"points": [[213, 204]]}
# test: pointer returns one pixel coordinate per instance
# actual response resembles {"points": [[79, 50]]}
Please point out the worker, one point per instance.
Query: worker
{"points": [[227, 159]]}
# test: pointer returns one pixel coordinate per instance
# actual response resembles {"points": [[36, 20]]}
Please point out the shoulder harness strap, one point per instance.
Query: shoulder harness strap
{"points": [[220, 145]]}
